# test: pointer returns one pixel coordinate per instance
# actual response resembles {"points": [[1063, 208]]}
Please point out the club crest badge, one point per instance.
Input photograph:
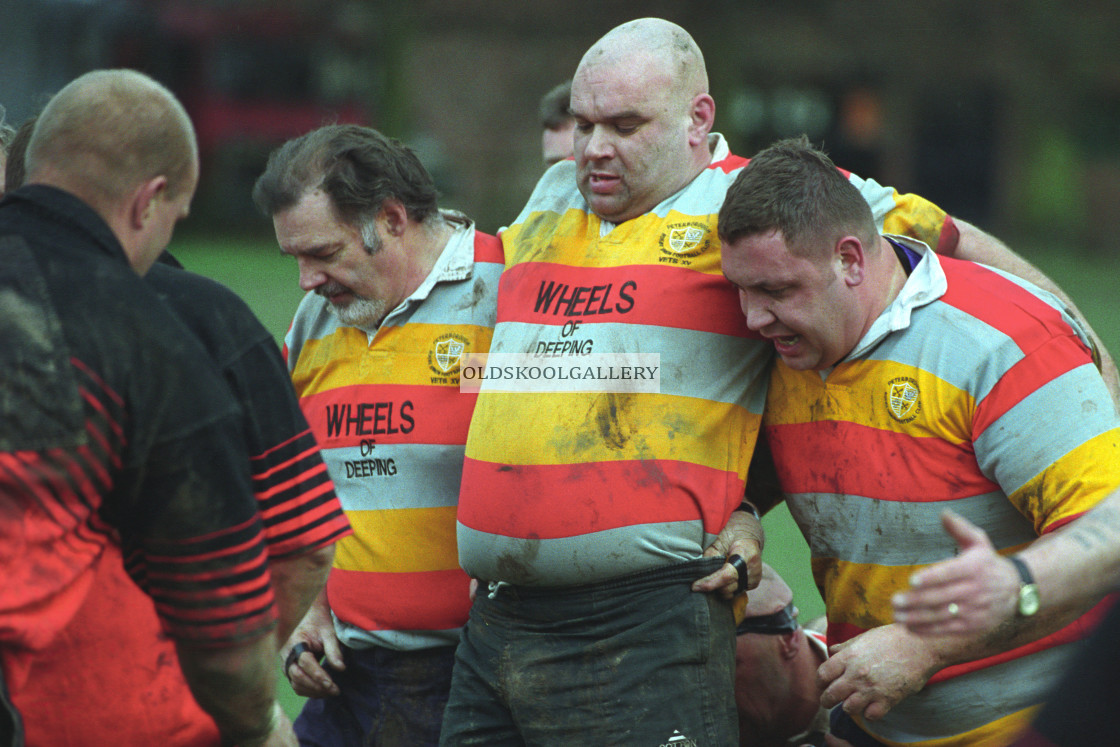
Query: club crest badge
{"points": [[903, 399], [446, 353], [685, 239]]}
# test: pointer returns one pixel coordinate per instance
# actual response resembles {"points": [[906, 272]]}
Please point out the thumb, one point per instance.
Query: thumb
{"points": [[966, 534]]}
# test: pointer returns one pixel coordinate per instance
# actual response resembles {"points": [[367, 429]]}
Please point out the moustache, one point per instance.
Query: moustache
{"points": [[331, 289]]}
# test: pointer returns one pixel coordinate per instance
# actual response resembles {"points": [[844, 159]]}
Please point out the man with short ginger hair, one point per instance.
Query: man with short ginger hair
{"points": [[118, 439]]}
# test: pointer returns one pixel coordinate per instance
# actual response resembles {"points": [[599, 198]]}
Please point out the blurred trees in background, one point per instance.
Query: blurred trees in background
{"points": [[1005, 113]]}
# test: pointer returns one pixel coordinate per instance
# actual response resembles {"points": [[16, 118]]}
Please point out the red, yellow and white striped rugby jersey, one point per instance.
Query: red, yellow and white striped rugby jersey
{"points": [[951, 400], [570, 488], [392, 424]]}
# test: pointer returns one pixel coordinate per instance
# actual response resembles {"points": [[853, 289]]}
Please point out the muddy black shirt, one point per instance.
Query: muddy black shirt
{"points": [[114, 427]]}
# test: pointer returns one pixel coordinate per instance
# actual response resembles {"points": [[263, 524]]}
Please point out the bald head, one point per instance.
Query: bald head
{"points": [[108, 131], [771, 595], [654, 40], [121, 143], [643, 115], [776, 691]]}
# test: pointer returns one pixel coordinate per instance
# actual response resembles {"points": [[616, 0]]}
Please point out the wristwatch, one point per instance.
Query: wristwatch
{"points": [[749, 508], [1028, 589]]}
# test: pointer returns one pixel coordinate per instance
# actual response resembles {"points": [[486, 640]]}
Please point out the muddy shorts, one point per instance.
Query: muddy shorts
{"points": [[639, 661], [388, 698]]}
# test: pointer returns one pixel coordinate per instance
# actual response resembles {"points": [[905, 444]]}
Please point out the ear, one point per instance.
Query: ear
{"points": [[849, 252], [702, 116], [143, 201], [789, 644], [395, 215]]}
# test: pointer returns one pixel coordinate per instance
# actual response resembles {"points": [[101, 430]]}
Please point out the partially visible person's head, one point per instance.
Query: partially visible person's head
{"points": [[795, 236], [643, 114], [123, 143], [336, 195], [774, 666], [15, 170], [557, 123]]}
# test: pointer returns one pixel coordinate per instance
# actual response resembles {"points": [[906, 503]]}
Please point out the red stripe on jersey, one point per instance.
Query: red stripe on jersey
{"points": [[221, 536], [420, 600], [294, 482], [98, 406], [647, 295], [96, 469], [488, 248], [1042, 365], [730, 163], [388, 413], [1075, 631], [82, 483], [102, 442], [96, 379], [272, 450], [86, 492], [626, 493], [857, 459], [231, 622], [1000, 303], [307, 510], [839, 632], [45, 478], [185, 596], [165, 567]]}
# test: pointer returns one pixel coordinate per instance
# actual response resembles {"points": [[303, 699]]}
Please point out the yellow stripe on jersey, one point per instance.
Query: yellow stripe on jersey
{"points": [[867, 589], [939, 409], [618, 427], [1066, 488], [423, 539], [998, 733], [573, 240], [403, 355]]}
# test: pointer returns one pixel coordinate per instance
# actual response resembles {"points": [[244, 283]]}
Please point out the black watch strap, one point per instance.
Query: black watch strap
{"points": [[749, 508], [1029, 601]]}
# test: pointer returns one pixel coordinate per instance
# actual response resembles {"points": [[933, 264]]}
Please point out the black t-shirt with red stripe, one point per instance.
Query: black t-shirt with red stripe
{"points": [[115, 426]]}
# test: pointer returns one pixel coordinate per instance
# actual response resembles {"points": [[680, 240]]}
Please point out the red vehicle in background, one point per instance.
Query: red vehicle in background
{"points": [[251, 75]]}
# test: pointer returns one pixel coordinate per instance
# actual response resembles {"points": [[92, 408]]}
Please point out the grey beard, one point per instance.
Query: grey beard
{"points": [[364, 313]]}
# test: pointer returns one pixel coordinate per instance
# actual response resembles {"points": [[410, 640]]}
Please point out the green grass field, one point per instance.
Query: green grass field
{"points": [[267, 281]]}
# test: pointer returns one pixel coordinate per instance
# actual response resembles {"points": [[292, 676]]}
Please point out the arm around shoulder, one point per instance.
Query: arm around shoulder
{"points": [[976, 245]]}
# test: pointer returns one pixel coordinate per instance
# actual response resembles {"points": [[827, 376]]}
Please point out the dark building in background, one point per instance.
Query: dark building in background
{"points": [[251, 75], [1007, 114]]}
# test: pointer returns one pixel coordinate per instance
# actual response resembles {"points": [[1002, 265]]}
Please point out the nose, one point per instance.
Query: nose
{"points": [[755, 309], [599, 144], [310, 276]]}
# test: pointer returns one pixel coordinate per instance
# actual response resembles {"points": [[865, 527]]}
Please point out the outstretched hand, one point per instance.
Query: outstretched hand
{"points": [[972, 593]]}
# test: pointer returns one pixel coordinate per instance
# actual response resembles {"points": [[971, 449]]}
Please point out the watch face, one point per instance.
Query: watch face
{"points": [[1028, 600]]}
